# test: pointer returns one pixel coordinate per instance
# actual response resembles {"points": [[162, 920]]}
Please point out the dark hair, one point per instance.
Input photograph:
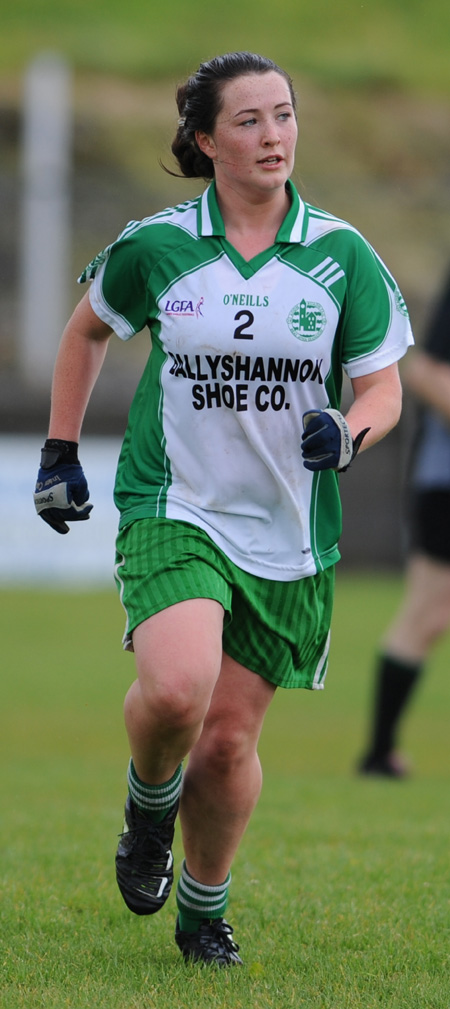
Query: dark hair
{"points": [[199, 101]]}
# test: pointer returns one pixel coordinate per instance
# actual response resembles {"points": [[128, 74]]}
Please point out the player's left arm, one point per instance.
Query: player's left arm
{"points": [[377, 405], [331, 441]]}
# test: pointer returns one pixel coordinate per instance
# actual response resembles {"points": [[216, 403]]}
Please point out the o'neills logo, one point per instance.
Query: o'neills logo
{"points": [[248, 300], [307, 320], [182, 307]]}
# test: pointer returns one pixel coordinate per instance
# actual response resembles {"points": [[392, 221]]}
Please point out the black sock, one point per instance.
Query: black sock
{"points": [[394, 683]]}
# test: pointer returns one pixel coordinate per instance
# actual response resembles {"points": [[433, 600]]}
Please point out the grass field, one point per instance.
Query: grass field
{"points": [[340, 894]]}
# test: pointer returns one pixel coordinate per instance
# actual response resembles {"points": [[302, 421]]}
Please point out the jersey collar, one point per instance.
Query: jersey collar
{"points": [[292, 230]]}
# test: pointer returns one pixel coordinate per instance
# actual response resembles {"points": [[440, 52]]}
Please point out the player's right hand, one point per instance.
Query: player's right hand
{"points": [[61, 494]]}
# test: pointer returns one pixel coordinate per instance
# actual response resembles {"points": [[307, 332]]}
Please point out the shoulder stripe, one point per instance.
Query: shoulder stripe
{"points": [[308, 273], [171, 216], [166, 218], [334, 274], [316, 270], [327, 272]]}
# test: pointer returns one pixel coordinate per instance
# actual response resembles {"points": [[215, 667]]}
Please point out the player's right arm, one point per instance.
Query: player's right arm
{"points": [[78, 364], [61, 493]]}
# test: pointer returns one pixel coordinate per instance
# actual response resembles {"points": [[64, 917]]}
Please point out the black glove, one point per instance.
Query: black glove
{"points": [[327, 442], [61, 491]]}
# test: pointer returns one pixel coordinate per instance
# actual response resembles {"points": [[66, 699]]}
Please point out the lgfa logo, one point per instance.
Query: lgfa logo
{"points": [[182, 307]]}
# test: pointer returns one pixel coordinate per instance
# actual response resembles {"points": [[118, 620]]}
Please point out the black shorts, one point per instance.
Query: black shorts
{"points": [[430, 524]]}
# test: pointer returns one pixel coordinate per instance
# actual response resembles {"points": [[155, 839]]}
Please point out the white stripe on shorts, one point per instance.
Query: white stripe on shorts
{"points": [[322, 667]]}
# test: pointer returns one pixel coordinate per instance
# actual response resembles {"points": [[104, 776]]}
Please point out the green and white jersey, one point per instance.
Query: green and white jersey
{"points": [[240, 350]]}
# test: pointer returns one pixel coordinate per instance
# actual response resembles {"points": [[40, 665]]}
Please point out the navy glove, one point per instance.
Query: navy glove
{"points": [[327, 442], [61, 491]]}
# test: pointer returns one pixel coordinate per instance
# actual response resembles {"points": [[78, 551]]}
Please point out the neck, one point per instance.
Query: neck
{"points": [[242, 216]]}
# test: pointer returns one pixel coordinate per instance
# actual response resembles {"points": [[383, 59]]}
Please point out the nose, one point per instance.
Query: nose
{"points": [[271, 135]]}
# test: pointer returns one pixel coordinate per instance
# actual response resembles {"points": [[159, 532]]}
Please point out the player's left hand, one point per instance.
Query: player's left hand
{"points": [[327, 442], [61, 494]]}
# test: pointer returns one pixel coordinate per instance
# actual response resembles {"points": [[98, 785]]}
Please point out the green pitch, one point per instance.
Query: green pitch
{"points": [[340, 890]]}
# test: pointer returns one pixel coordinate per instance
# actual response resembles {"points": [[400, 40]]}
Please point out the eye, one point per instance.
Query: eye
{"points": [[248, 122], [284, 115]]}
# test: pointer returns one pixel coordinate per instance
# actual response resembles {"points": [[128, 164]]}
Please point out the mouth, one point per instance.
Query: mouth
{"points": [[273, 159]]}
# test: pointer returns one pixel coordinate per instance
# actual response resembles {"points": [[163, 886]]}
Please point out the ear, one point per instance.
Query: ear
{"points": [[206, 144]]}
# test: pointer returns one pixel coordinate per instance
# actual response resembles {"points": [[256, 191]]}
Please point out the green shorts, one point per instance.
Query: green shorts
{"points": [[280, 630]]}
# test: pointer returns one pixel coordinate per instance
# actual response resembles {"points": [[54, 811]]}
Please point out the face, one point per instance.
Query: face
{"points": [[253, 142]]}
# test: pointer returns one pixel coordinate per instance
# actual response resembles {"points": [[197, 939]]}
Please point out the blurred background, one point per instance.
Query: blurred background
{"points": [[87, 113]]}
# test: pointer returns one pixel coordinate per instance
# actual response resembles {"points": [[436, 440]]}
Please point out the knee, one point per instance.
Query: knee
{"points": [[173, 707], [433, 621], [225, 748], [437, 624]]}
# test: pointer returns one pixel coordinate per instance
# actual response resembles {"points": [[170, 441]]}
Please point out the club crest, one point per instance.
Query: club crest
{"points": [[307, 320]]}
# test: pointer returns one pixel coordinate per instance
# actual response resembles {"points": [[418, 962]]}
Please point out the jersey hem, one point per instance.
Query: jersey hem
{"points": [[376, 361], [275, 573], [120, 325]]}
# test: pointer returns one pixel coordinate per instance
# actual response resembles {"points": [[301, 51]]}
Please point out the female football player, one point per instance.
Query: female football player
{"points": [[227, 482]]}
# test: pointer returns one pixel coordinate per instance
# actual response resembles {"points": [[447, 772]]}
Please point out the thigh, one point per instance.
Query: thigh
{"points": [[427, 586], [238, 704], [281, 630], [424, 613], [179, 650], [159, 563]]}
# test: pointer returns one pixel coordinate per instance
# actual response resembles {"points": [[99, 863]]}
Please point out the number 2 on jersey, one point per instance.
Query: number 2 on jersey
{"points": [[239, 333]]}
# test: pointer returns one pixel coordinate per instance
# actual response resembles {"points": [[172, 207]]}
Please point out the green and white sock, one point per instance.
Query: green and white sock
{"points": [[156, 800], [196, 901]]}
